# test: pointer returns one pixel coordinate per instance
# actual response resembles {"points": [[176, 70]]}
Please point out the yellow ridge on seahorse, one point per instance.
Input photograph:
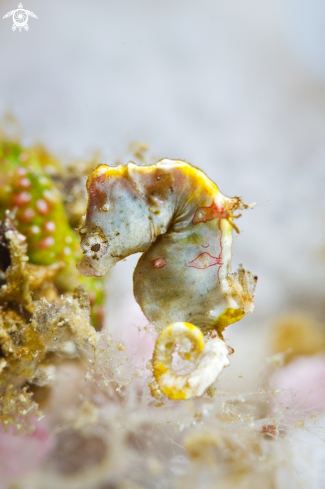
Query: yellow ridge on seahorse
{"points": [[181, 222]]}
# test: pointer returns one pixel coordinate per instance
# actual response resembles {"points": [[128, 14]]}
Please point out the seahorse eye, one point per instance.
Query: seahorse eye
{"points": [[95, 247]]}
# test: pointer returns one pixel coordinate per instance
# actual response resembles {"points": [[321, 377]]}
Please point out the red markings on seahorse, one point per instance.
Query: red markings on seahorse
{"points": [[204, 214], [97, 189], [205, 260], [159, 263]]}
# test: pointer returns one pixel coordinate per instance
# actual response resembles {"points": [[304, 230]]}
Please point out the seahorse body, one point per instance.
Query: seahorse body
{"points": [[179, 219]]}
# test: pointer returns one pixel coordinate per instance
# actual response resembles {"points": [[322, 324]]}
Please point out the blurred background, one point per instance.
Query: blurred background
{"points": [[235, 88]]}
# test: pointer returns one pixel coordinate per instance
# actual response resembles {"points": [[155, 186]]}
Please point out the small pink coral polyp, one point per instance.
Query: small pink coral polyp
{"points": [[27, 215], [67, 251], [34, 230], [49, 226], [21, 171], [42, 207], [21, 199], [45, 243], [159, 263], [24, 183]]}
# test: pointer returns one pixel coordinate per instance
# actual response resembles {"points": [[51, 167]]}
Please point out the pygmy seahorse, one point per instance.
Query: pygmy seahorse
{"points": [[181, 222]]}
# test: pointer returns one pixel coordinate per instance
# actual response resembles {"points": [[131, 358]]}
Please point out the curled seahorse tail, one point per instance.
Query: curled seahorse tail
{"points": [[212, 358]]}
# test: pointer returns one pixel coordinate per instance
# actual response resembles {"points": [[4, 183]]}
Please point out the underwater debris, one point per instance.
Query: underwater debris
{"points": [[297, 334], [298, 340], [183, 224], [235, 458], [77, 452], [109, 363], [18, 278], [31, 188], [31, 329], [139, 151], [201, 444]]}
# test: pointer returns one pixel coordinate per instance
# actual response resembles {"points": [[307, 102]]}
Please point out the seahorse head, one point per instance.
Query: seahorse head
{"points": [[116, 224]]}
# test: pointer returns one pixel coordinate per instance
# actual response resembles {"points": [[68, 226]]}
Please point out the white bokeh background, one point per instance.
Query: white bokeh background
{"points": [[236, 88]]}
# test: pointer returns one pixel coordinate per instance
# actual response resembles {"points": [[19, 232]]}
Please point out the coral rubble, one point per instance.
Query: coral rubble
{"points": [[34, 186], [31, 329]]}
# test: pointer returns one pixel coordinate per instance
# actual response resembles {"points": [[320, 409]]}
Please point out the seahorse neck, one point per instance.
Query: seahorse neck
{"points": [[173, 191], [155, 185]]}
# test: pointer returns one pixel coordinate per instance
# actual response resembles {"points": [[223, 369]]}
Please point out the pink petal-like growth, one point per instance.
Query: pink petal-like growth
{"points": [[303, 385], [20, 454]]}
